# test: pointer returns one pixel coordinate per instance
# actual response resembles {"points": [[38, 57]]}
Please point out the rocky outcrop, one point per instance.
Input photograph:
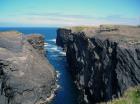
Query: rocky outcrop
{"points": [[62, 37], [104, 65], [37, 41], [25, 76]]}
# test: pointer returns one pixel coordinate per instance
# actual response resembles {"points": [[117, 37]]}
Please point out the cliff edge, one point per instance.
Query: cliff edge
{"points": [[104, 63], [26, 77]]}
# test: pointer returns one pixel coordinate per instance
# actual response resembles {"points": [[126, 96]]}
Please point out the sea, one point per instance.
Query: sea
{"points": [[67, 92]]}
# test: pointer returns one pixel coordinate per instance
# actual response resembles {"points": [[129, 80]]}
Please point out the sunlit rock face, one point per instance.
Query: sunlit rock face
{"points": [[104, 64], [37, 41], [25, 76]]}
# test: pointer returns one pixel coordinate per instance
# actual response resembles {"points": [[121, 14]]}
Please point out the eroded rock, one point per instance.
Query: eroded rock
{"points": [[106, 64], [25, 76]]}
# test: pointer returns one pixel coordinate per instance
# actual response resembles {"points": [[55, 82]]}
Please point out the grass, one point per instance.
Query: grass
{"points": [[81, 28], [131, 96]]}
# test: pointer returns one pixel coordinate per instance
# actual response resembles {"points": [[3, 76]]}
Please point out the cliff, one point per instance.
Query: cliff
{"points": [[37, 41], [26, 77], [104, 63], [62, 37]]}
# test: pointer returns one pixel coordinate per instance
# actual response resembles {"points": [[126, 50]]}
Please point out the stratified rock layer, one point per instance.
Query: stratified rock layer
{"points": [[26, 77], [105, 64], [62, 37]]}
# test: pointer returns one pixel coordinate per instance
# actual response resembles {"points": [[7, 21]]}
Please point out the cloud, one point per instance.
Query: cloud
{"points": [[60, 19], [61, 15]]}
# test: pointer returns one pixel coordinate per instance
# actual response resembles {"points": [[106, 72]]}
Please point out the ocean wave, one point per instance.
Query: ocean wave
{"points": [[63, 53], [52, 40], [58, 74], [53, 48], [45, 44]]}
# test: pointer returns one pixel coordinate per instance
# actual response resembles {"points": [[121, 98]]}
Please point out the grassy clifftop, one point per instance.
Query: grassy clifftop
{"points": [[81, 28], [131, 96]]}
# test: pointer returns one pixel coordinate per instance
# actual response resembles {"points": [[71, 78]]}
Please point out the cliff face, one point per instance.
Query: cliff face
{"points": [[25, 76], [62, 37], [103, 65]]}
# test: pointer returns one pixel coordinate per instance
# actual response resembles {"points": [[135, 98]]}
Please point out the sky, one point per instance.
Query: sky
{"points": [[44, 13]]}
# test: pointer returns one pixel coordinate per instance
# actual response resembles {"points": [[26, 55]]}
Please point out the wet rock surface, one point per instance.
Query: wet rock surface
{"points": [[104, 64], [26, 77]]}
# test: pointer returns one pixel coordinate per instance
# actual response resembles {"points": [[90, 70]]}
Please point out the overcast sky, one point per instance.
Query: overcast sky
{"points": [[68, 12]]}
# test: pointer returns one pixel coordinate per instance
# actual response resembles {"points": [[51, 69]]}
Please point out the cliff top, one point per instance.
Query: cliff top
{"points": [[122, 33], [35, 36], [129, 34], [10, 34], [11, 40]]}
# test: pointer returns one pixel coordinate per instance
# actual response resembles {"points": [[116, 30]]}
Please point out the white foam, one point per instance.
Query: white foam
{"points": [[54, 48], [63, 53], [52, 40], [45, 44], [58, 86], [50, 47], [58, 74]]}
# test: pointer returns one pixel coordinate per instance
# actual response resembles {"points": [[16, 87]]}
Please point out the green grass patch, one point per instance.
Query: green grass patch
{"points": [[131, 96]]}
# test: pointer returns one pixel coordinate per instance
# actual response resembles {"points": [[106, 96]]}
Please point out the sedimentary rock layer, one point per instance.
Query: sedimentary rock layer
{"points": [[103, 64], [26, 77]]}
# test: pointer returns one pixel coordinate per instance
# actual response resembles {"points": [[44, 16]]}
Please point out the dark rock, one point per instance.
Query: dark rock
{"points": [[103, 67], [62, 37]]}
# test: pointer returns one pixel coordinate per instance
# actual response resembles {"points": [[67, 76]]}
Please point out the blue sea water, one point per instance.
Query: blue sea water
{"points": [[67, 93]]}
